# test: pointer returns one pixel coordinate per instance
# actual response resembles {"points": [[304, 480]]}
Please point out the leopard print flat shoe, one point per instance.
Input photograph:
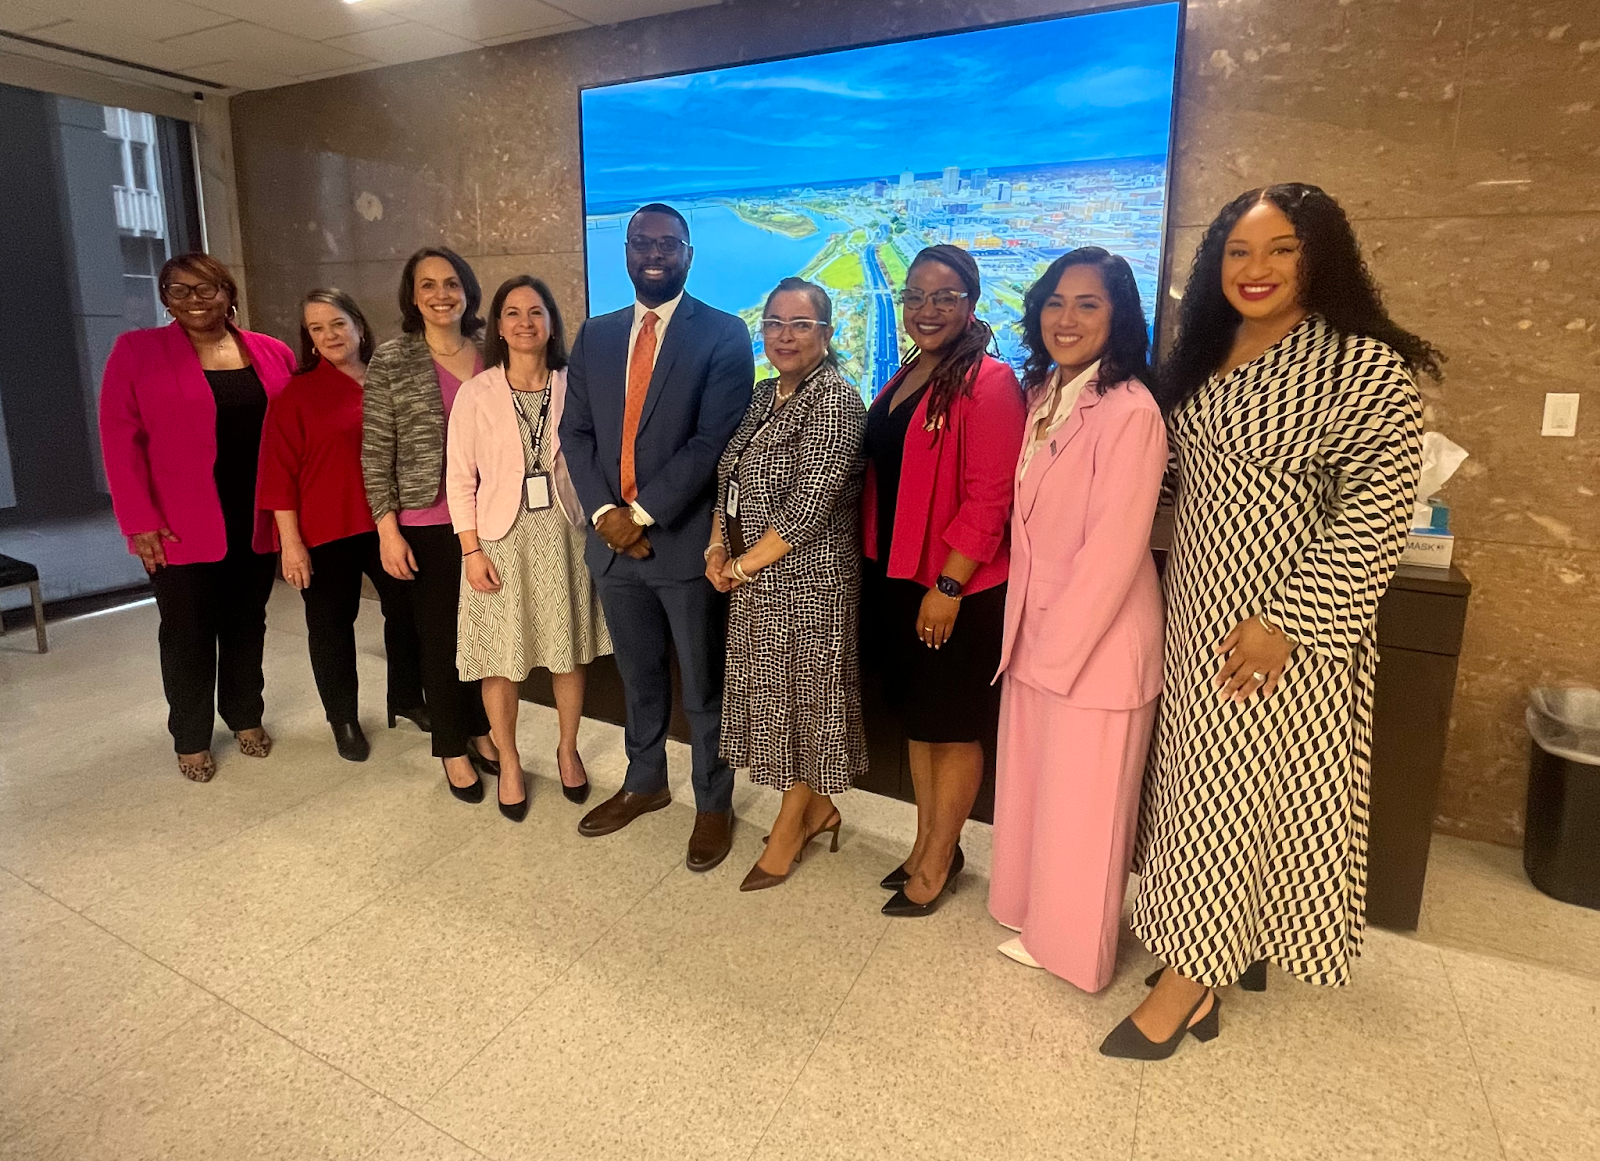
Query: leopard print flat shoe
{"points": [[254, 747], [202, 770]]}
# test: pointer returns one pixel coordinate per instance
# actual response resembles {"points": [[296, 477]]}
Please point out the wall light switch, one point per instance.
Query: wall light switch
{"points": [[1560, 414]]}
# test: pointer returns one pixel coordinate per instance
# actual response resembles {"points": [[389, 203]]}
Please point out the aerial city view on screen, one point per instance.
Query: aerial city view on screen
{"points": [[1015, 143]]}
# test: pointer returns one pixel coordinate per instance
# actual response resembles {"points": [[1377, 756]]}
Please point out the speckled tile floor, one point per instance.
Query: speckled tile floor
{"points": [[313, 959]]}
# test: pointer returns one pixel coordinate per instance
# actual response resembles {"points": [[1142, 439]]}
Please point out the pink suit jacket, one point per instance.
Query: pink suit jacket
{"points": [[158, 434], [1084, 616], [484, 466], [955, 484]]}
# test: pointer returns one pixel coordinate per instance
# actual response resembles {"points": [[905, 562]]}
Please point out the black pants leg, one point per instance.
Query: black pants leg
{"points": [[213, 632], [332, 601], [188, 638], [241, 603], [456, 706], [401, 645]]}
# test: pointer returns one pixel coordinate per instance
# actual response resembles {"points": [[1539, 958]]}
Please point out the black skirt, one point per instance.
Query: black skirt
{"points": [[940, 695]]}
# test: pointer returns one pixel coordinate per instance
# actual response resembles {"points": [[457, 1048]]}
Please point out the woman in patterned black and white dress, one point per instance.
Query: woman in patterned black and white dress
{"points": [[786, 543], [527, 601], [1295, 428]]}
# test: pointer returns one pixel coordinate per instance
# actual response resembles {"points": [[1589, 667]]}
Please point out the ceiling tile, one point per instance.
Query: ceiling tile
{"points": [[147, 19], [91, 36], [246, 74], [311, 19], [276, 51], [481, 19], [403, 42], [17, 17], [617, 11]]}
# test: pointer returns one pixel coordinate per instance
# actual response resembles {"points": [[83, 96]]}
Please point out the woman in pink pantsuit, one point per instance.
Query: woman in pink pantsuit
{"points": [[1081, 659]]}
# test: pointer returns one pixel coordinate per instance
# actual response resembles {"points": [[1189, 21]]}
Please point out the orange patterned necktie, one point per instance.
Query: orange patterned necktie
{"points": [[640, 364]]}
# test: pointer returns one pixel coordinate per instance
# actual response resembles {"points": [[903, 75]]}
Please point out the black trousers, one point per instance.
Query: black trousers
{"points": [[455, 706], [213, 630], [333, 600]]}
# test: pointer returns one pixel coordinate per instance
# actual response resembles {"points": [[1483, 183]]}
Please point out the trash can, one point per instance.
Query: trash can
{"points": [[1562, 849]]}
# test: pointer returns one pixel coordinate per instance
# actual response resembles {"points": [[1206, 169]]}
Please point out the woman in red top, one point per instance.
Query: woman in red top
{"points": [[942, 442], [310, 480]]}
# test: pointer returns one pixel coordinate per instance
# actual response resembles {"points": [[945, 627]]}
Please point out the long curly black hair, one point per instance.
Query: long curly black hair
{"points": [[1334, 283], [1127, 353], [955, 373]]}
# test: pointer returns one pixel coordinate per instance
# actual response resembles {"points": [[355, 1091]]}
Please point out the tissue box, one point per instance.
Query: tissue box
{"points": [[1429, 549]]}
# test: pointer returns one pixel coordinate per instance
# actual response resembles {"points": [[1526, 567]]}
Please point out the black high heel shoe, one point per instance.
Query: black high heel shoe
{"points": [[351, 742], [1126, 1042], [1254, 978], [578, 794], [896, 878], [481, 764], [417, 715], [900, 905], [516, 811], [473, 793]]}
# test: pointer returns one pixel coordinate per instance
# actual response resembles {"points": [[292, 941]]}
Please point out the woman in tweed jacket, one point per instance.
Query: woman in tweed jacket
{"points": [[411, 384]]}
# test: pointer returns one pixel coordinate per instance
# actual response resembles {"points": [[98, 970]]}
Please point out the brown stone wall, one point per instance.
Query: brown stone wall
{"points": [[1463, 137]]}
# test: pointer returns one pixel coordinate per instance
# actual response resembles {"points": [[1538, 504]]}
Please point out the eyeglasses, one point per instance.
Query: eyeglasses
{"points": [[801, 328], [666, 247], [942, 300], [179, 291]]}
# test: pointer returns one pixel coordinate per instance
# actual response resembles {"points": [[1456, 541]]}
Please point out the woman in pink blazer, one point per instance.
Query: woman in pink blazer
{"points": [[1081, 658], [941, 444], [526, 598], [181, 409]]}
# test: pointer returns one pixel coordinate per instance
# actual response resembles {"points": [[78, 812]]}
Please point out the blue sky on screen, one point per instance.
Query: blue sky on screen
{"points": [[1076, 88]]}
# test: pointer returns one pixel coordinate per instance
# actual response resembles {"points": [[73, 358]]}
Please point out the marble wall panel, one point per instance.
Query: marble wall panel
{"points": [[1514, 303], [1461, 135], [1529, 131]]}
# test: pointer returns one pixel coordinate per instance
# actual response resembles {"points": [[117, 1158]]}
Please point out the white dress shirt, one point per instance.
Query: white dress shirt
{"points": [[663, 314]]}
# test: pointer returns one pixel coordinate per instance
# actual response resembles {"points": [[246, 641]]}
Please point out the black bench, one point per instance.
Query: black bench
{"points": [[16, 574]]}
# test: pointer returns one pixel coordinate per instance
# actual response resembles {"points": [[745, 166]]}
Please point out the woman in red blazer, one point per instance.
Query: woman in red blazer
{"points": [[310, 480], [181, 410], [942, 441], [1081, 660]]}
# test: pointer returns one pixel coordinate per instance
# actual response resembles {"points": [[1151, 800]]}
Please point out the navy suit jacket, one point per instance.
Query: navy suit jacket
{"points": [[698, 394]]}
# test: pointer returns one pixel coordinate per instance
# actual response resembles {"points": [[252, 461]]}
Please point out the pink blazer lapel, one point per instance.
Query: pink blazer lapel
{"points": [[1045, 458]]}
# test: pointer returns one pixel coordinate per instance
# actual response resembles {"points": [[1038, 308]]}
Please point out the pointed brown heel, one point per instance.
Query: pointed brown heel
{"points": [[759, 880]]}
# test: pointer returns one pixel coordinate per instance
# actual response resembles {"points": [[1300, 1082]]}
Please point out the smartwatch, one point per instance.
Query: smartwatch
{"points": [[949, 586]]}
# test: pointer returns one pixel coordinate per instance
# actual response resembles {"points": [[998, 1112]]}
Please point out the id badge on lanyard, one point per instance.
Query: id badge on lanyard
{"points": [[536, 491], [536, 496]]}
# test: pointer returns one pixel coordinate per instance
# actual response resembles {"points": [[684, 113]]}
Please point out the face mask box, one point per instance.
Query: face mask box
{"points": [[1429, 542]]}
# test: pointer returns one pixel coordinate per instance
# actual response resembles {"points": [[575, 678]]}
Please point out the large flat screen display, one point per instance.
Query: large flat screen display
{"points": [[1018, 143]]}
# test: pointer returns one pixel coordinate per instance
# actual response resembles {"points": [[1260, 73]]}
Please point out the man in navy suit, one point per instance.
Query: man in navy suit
{"points": [[654, 393]]}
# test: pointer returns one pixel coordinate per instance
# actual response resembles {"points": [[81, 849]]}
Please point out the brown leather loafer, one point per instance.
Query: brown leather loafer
{"points": [[619, 810], [712, 839]]}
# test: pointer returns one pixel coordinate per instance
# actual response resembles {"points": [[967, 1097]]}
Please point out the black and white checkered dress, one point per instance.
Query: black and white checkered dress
{"points": [[1295, 479], [791, 700]]}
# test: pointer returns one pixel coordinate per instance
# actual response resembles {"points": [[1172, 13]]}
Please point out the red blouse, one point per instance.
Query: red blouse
{"points": [[311, 456]]}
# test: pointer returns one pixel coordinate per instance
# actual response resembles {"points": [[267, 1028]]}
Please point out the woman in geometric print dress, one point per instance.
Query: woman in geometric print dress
{"points": [[527, 600], [1295, 428], [790, 555]]}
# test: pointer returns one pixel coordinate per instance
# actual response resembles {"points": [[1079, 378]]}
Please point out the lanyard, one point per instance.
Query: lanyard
{"points": [[772, 413], [544, 414]]}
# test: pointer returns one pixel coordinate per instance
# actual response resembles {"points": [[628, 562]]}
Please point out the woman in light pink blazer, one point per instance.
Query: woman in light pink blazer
{"points": [[181, 410], [1081, 658], [527, 601]]}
